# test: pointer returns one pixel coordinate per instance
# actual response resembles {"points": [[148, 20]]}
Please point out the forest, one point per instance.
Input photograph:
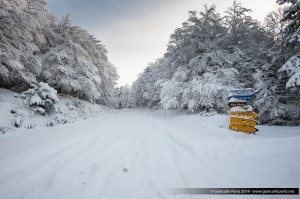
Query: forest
{"points": [[213, 53], [38, 47], [210, 54]]}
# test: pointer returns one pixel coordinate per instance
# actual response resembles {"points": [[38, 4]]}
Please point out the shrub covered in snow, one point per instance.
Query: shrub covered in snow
{"points": [[42, 98]]}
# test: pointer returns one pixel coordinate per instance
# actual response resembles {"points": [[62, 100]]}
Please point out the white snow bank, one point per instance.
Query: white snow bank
{"points": [[14, 112]]}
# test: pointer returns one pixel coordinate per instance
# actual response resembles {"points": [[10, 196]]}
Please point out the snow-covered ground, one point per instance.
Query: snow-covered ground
{"points": [[141, 154], [15, 113]]}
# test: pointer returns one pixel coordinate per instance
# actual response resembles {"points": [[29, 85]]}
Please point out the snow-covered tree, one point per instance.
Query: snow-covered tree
{"points": [[292, 38], [199, 34], [274, 26], [124, 97], [195, 72], [238, 23], [292, 69], [147, 88], [292, 15], [21, 33], [208, 56], [36, 46], [171, 94]]}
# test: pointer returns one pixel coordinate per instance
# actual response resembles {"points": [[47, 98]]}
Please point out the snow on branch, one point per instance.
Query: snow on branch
{"points": [[292, 69], [42, 98]]}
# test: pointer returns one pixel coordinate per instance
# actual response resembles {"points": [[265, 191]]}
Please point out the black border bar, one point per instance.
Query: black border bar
{"points": [[235, 191]]}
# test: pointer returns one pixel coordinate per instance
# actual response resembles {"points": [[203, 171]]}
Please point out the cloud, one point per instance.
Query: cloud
{"points": [[95, 14]]}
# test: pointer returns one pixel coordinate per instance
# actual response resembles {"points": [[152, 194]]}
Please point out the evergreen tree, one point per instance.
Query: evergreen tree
{"points": [[291, 32]]}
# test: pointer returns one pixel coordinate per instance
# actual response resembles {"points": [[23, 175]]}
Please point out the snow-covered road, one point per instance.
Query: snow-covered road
{"points": [[140, 154]]}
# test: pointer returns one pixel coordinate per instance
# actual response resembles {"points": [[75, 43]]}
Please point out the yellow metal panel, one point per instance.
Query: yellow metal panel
{"points": [[245, 114], [248, 129], [242, 121]]}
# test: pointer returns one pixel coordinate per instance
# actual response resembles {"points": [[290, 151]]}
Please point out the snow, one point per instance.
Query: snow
{"points": [[141, 154], [48, 92], [249, 108], [294, 81], [242, 92], [35, 99], [233, 99], [292, 68], [15, 113], [237, 109], [17, 65]]}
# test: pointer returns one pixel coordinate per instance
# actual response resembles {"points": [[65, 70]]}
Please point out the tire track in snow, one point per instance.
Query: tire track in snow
{"points": [[171, 154], [114, 165], [91, 164], [181, 148], [215, 174], [59, 156]]}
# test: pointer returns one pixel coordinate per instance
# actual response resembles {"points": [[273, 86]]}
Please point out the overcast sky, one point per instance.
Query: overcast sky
{"points": [[136, 32]]}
